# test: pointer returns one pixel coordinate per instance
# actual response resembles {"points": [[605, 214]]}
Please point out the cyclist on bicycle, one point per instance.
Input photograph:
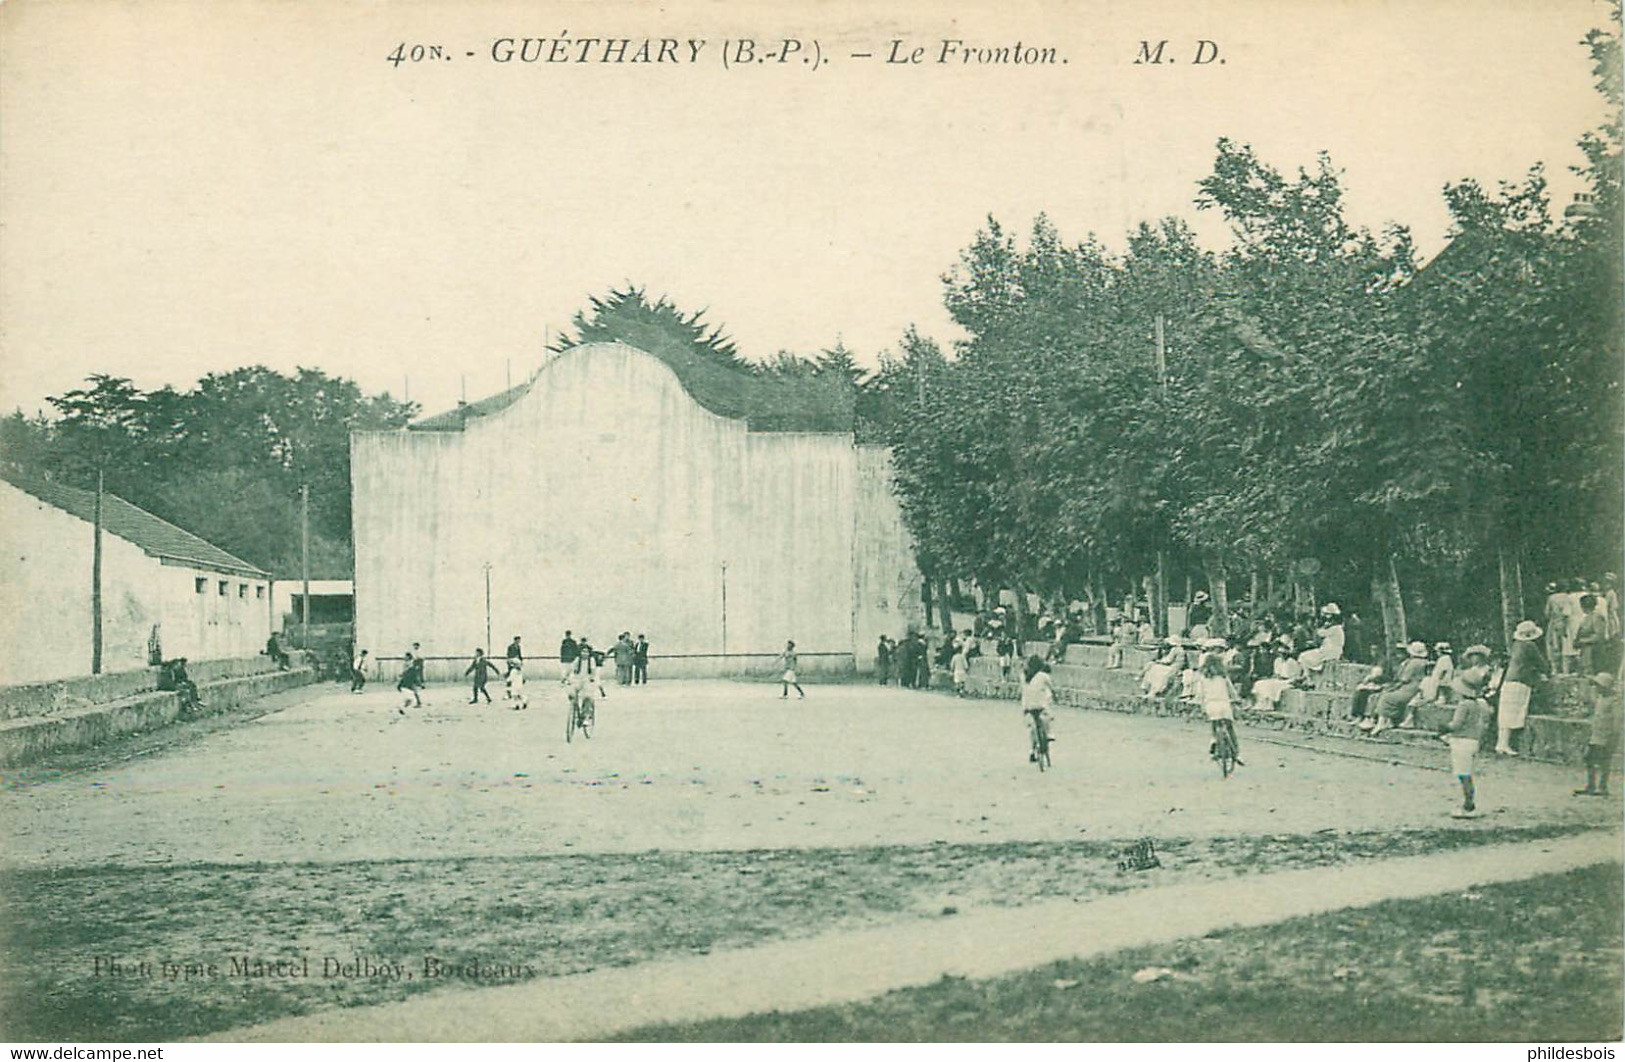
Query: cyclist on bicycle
{"points": [[1218, 695], [1037, 698], [581, 678]]}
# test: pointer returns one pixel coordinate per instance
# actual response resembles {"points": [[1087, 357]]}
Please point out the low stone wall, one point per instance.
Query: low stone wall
{"points": [[47, 698], [28, 738]]}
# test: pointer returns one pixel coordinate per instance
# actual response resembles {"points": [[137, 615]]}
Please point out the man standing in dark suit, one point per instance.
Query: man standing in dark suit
{"points": [[640, 662], [568, 651]]}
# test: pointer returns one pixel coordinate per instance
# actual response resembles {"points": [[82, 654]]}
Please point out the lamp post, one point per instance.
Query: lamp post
{"points": [[96, 577], [487, 567], [304, 565]]}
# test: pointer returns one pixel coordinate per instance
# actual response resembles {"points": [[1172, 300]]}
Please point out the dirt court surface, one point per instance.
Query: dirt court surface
{"points": [[706, 765]]}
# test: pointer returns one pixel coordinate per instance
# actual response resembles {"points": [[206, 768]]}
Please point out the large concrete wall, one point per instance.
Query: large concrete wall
{"points": [[605, 499], [886, 579], [45, 568]]}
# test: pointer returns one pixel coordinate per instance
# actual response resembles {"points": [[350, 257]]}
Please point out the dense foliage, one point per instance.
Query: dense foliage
{"points": [[1319, 405], [224, 460]]}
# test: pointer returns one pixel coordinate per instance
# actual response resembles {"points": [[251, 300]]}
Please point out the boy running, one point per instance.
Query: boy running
{"points": [[482, 669], [411, 680], [358, 672], [788, 678]]}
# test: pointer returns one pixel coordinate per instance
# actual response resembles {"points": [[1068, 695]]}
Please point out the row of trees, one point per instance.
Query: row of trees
{"points": [[225, 460], [1308, 400]]}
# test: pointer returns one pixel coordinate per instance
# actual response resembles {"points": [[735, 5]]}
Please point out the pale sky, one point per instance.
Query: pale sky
{"points": [[187, 188]]}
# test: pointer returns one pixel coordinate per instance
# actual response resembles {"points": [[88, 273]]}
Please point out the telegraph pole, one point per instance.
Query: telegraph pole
{"points": [[304, 563], [1160, 609], [725, 610], [487, 567], [96, 580]]}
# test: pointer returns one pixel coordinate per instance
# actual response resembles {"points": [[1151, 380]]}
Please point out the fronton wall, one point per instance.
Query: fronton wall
{"points": [[605, 499]]}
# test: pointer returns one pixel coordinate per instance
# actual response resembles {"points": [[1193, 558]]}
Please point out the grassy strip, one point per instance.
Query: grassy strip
{"points": [[527, 917], [1535, 960]]}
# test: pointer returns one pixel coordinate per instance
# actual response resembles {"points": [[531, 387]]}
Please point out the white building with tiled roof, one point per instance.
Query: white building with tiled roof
{"points": [[163, 587]]}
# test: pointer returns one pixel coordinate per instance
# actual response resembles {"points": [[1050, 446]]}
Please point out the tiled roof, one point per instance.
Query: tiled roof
{"points": [[453, 419], [155, 537]]}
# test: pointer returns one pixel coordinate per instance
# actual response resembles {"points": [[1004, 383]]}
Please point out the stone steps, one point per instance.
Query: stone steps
{"points": [[1556, 739]]}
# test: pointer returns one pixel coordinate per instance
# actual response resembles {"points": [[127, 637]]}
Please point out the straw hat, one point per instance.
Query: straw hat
{"points": [[1476, 650], [1527, 631], [1330, 609], [1419, 650]]}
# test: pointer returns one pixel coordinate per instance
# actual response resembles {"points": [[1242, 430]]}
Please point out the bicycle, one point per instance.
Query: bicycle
{"points": [[581, 716], [1038, 730], [1224, 747]]}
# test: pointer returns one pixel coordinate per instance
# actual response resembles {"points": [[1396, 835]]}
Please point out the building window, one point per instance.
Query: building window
{"points": [[197, 584], [259, 592], [223, 585], [242, 589]]}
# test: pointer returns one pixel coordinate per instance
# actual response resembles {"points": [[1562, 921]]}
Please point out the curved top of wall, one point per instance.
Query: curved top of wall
{"points": [[764, 401]]}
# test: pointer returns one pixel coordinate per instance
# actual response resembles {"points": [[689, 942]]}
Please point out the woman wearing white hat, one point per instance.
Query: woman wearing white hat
{"points": [[1524, 666], [1331, 636], [1390, 707]]}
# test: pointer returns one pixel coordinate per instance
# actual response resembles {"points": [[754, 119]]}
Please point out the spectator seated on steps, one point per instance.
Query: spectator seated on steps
{"points": [[1436, 686], [1158, 675], [1285, 673], [1330, 638], [172, 677], [274, 650], [1372, 684], [1394, 702]]}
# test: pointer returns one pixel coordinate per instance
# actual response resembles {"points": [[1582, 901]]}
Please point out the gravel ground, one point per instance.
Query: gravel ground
{"points": [[701, 815], [709, 766]]}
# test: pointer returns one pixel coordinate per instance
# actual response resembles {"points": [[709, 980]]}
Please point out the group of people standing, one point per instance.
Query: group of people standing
{"points": [[576, 655], [1579, 614], [910, 661], [630, 657]]}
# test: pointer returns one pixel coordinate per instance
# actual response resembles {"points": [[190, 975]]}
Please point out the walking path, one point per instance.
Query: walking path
{"points": [[856, 965]]}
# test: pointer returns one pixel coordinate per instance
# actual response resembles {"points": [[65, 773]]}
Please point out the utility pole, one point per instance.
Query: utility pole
{"points": [[304, 564], [724, 609], [487, 567], [1160, 609], [96, 580]]}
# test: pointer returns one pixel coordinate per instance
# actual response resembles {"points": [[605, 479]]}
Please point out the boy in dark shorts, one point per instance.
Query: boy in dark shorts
{"points": [[1605, 723]]}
